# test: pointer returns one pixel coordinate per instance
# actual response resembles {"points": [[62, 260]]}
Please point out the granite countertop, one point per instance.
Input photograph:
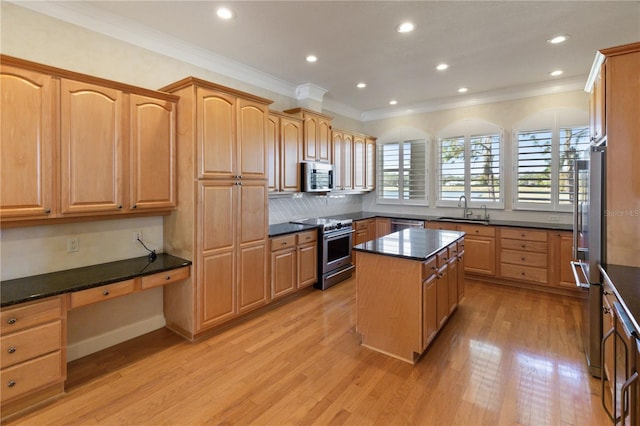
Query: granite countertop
{"points": [[494, 222], [26, 289], [625, 281], [288, 228], [411, 243]]}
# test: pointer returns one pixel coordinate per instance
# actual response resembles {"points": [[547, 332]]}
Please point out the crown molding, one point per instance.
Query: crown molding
{"points": [[84, 15], [507, 94]]}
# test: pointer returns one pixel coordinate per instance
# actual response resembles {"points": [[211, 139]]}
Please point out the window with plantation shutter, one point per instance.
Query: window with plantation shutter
{"points": [[470, 166], [402, 172], [545, 161]]}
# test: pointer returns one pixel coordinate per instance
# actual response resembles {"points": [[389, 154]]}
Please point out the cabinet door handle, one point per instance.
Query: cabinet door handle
{"points": [[168, 277], [105, 293], [47, 211], [11, 350], [12, 321], [11, 383]]}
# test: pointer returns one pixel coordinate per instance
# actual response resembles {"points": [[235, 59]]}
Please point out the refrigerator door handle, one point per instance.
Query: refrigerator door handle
{"points": [[574, 267]]}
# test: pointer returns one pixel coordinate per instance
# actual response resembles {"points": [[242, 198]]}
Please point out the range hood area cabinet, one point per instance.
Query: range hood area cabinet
{"points": [[222, 221], [74, 146], [284, 147], [317, 135]]}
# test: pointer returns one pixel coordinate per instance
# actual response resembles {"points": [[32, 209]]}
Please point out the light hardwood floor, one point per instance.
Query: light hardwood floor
{"points": [[506, 357]]}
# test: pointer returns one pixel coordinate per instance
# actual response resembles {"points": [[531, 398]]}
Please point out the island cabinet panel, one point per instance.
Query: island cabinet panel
{"points": [[28, 142], [402, 302]]}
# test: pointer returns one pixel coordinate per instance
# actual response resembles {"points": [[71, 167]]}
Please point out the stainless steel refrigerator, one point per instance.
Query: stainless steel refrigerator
{"points": [[589, 245]]}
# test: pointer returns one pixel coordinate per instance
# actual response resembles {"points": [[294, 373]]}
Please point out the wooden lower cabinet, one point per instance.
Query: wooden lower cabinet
{"points": [[481, 255], [383, 226], [33, 353], [294, 262]]}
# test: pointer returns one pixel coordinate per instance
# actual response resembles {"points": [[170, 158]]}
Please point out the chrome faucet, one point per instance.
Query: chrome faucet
{"points": [[486, 216], [466, 212]]}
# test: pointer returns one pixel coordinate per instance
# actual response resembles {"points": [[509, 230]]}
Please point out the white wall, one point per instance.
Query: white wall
{"points": [[571, 106]]}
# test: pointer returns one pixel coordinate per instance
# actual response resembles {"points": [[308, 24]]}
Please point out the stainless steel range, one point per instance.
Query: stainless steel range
{"points": [[334, 250]]}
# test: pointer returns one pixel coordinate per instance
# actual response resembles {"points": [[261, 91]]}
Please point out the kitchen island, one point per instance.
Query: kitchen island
{"points": [[407, 285]]}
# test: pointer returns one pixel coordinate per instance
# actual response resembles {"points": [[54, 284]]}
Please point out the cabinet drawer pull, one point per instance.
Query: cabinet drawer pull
{"points": [[523, 245], [11, 350], [168, 277], [11, 383], [105, 293], [606, 310], [12, 321], [47, 211], [523, 259]]}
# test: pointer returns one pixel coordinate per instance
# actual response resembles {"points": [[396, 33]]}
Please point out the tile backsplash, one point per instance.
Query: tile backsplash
{"points": [[303, 206]]}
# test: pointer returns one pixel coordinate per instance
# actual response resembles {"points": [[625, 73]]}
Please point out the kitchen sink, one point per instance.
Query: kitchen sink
{"points": [[463, 220]]}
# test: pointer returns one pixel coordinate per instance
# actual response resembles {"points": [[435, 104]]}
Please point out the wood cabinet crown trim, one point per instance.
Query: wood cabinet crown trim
{"points": [[303, 111], [194, 81], [62, 73]]}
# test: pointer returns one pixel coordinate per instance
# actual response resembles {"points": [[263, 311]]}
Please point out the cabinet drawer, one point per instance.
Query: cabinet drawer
{"points": [[286, 241], [306, 237], [164, 278], [29, 314], [443, 258], [361, 225], [461, 246], [30, 343], [483, 230], [525, 258], [429, 267], [30, 375], [536, 246], [100, 294], [524, 234], [453, 250], [523, 273]]}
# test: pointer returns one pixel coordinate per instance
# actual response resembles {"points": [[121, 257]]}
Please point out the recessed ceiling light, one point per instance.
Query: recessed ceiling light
{"points": [[442, 67], [405, 27], [312, 58], [394, 102], [556, 73], [558, 39], [224, 13], [361, 85], [462, 90]]}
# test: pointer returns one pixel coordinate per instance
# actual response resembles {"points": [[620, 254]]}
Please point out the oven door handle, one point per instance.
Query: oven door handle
{"points": [[574, 267], [334, 235]]}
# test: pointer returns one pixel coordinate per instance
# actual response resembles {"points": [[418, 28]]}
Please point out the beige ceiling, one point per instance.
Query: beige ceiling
{"points": [[491, 47]]}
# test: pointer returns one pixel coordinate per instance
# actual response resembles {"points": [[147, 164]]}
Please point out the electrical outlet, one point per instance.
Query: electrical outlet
{"points": [[73, 244], [554, 218], [137, 235]]}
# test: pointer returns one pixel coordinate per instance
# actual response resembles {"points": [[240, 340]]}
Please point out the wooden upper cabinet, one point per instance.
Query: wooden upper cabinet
{"points": [[92, 149], [284, 152], [251, 148], [370, 164], [358, 163], [152, 153], [317, 135], [216, 134], [28, 141], [291, 132], [342, 146]]}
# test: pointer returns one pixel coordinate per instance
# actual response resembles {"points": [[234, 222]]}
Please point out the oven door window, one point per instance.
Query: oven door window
{"points": [[338, 248]]}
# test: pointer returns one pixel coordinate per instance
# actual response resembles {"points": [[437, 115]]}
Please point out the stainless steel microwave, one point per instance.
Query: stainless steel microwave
{"points": [[317, 177]]}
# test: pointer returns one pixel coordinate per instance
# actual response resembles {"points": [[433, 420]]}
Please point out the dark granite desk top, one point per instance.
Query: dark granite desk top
{"points": [[411, 243], [625, 281], [40, 286]]}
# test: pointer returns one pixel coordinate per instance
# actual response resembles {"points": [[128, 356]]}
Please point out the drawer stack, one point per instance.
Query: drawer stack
{"points": [[524, 255], [32, 344]]}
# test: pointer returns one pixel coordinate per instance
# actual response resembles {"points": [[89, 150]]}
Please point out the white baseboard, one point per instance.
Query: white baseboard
{"points": [[113, 337]]}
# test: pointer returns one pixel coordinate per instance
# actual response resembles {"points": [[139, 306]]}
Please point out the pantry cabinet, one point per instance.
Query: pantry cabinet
{"points": [[76, 146], [223, 193], [317, 135], [28, 143]]}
